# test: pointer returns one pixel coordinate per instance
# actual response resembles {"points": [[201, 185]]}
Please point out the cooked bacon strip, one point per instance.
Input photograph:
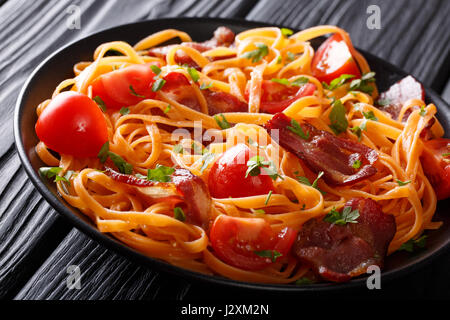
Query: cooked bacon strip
{"points": [[323, 151], [223, 37], [339, 252], [191, 189], [196, 194], [178, 88], [399, 93]]}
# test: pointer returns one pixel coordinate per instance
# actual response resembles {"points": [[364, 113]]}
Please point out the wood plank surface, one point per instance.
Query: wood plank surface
{"points": [[37, 245]]}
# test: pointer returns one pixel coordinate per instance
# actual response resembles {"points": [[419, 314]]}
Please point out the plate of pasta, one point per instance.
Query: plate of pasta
{"points": [[241, 153]]}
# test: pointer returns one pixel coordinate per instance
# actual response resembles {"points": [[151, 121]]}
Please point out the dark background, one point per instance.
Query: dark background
{"points": [[37, 245]]}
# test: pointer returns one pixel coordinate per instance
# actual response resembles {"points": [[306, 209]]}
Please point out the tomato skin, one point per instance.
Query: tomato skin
{"points": [[72, 124], [435, 167], [227, 176], [333, 59], [234, 241], [277, 97], [114, 87]]}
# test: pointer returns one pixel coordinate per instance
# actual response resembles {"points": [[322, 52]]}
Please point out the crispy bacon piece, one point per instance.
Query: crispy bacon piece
{"points": [[177, 87], [223, 37], [399, 93], [322, 151], [190, 189], [339, 252]]}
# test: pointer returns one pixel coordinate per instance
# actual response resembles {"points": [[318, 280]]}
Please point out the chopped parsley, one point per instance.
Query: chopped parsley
{"points": [[255, 164], [298, 130], [52, 172], [337, 118], [297, 82], [283, 81], [300, 81], [124, 111], [223, 123], [204, 86], [273, 255], [158, 84], [167, 109], [194, 74], [160, 173], [370, 116], [178, 148], [290, 56], [411, 245], [306, 181], [364, 84], [286, 32], [156, 70], [257, 54], [101, 104], [356, 164], [178, 214], [134, 93], [268, 197], [342, 218], [422, 112], [103, 153], [336, 83], [206, 160], [123, 166], [402, 183]]}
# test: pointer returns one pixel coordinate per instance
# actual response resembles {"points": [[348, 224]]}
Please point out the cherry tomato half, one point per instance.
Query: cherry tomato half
{"points": [[235, 241], [227, 176], [125, 87], [72, 124], [276, 97], [436, 165], [333, 59]]}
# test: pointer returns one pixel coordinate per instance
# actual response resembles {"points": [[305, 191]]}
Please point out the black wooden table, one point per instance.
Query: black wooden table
{"points": [[37, 244]]}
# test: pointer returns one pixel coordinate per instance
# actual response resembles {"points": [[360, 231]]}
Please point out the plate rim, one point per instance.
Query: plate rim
{"points": [[165, 267]]}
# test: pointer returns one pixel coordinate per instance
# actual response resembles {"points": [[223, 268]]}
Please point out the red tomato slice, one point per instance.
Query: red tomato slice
{"points": [[72, 124], [114, 87], [235, 241], [227, 176], [333, 59], [277, 97], [437, 166]]}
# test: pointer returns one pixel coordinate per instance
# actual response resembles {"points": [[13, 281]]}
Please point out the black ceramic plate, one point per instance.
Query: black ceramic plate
{"points": [[58, 67]]}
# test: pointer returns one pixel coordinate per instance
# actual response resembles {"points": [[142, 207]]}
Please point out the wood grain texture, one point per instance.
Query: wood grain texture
{"points": [[30, 31], [33, 260]]}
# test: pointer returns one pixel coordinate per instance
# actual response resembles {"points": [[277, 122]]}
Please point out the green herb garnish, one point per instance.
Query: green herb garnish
{"points": [[178, 214], [194, 74], [257, 54], [223, 123], [158, 84], [271, 254], [342, 218], [134, 93], [402, 183], [101, 104], [160, 173], [337, 118], [124, 111], [411, 245], [298, 130], [336, 83]]}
